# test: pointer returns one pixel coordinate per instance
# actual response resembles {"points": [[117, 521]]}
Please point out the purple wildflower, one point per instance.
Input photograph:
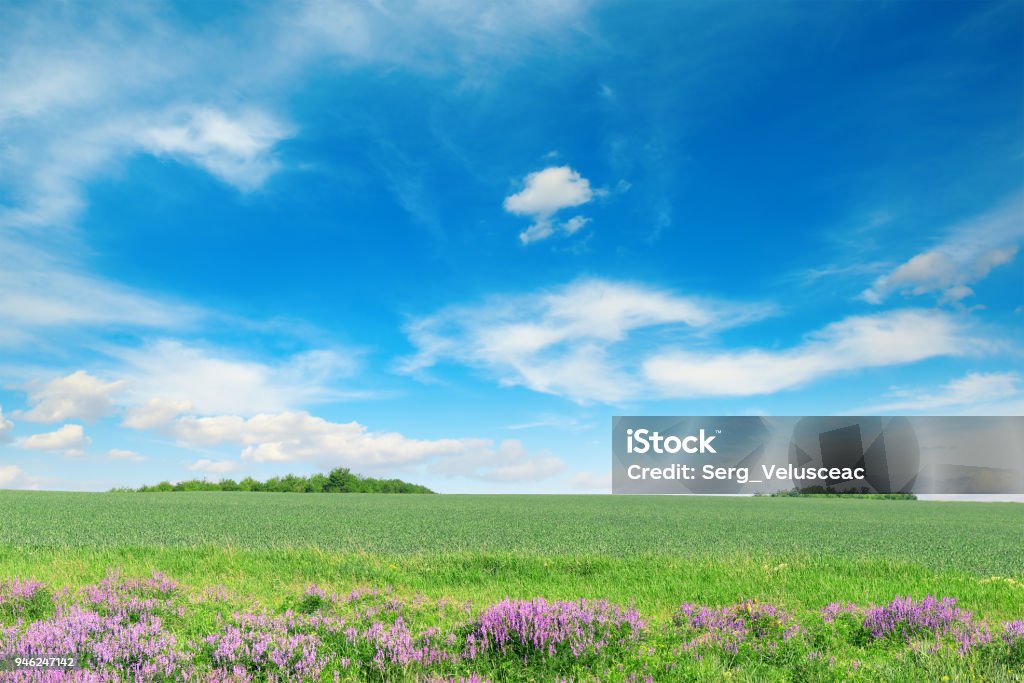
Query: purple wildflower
{"points": [[548, 628], [1013, 633]]}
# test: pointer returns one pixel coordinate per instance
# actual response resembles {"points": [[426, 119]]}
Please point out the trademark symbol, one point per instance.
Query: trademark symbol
{"points": [[718, 431]]}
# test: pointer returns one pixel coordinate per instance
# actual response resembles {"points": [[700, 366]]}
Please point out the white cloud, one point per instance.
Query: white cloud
{"points": [[565, 341], [11, 476], [545, 193], [85, 91], [563, 422], [596, 340], [211, 381], [6, 426], [289, 436], [987, 393], [574, 224], [79, 396], [121, 454], [893, 338], [424, 36], [237, 149], [156, 413], [43, 290], [509, 462], [70, 438], [215, 466], [299, 436], [969, 253]]}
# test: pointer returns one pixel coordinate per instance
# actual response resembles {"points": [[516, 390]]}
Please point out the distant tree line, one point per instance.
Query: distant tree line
{"points": [[338, 480], [829, 492]]}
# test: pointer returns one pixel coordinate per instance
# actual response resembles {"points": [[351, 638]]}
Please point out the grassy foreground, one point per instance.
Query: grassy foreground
{"points": [[261, 553]]}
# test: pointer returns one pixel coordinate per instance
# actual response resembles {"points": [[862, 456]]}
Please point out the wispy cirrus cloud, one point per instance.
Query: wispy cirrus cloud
{"points": [[610, 342], [86, 89], [46, 290], [979, 393], [968, 253], [565, 341], [888, 339]]}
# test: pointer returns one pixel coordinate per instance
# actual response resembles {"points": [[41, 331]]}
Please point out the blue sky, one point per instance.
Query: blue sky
{"points": [[447, 241]]}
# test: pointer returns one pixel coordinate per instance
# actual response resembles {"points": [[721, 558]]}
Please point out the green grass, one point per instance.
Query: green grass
{"points": [[803, 551], [798, 553]]}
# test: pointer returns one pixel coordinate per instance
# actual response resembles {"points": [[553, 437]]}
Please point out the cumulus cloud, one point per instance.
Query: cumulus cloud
{"points": [[968, 254], [215, 466], [980, 393], [70, 438], [6, 426], [565, 341], [79, 396], [11, 476], [121, 454], [235, 148], [301, 436], [168, 377], [156, 413], [893, 338], [544, 194], [298, 436]]}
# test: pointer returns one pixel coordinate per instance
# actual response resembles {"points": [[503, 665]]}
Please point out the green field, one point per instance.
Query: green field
{"points": [[798, 554]]}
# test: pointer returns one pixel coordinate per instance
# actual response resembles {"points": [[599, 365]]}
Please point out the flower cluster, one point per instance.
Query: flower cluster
{"points": [[395, 644], [24, 598], [907, 620], [549, 628], [136, 645], [906, 617], [761, 627], [146, 630], [274, 645], [1013, 632], [19, 589]]}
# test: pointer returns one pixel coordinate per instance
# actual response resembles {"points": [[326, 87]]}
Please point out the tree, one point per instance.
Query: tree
{"points": [[341, 480], [338, 480]]}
